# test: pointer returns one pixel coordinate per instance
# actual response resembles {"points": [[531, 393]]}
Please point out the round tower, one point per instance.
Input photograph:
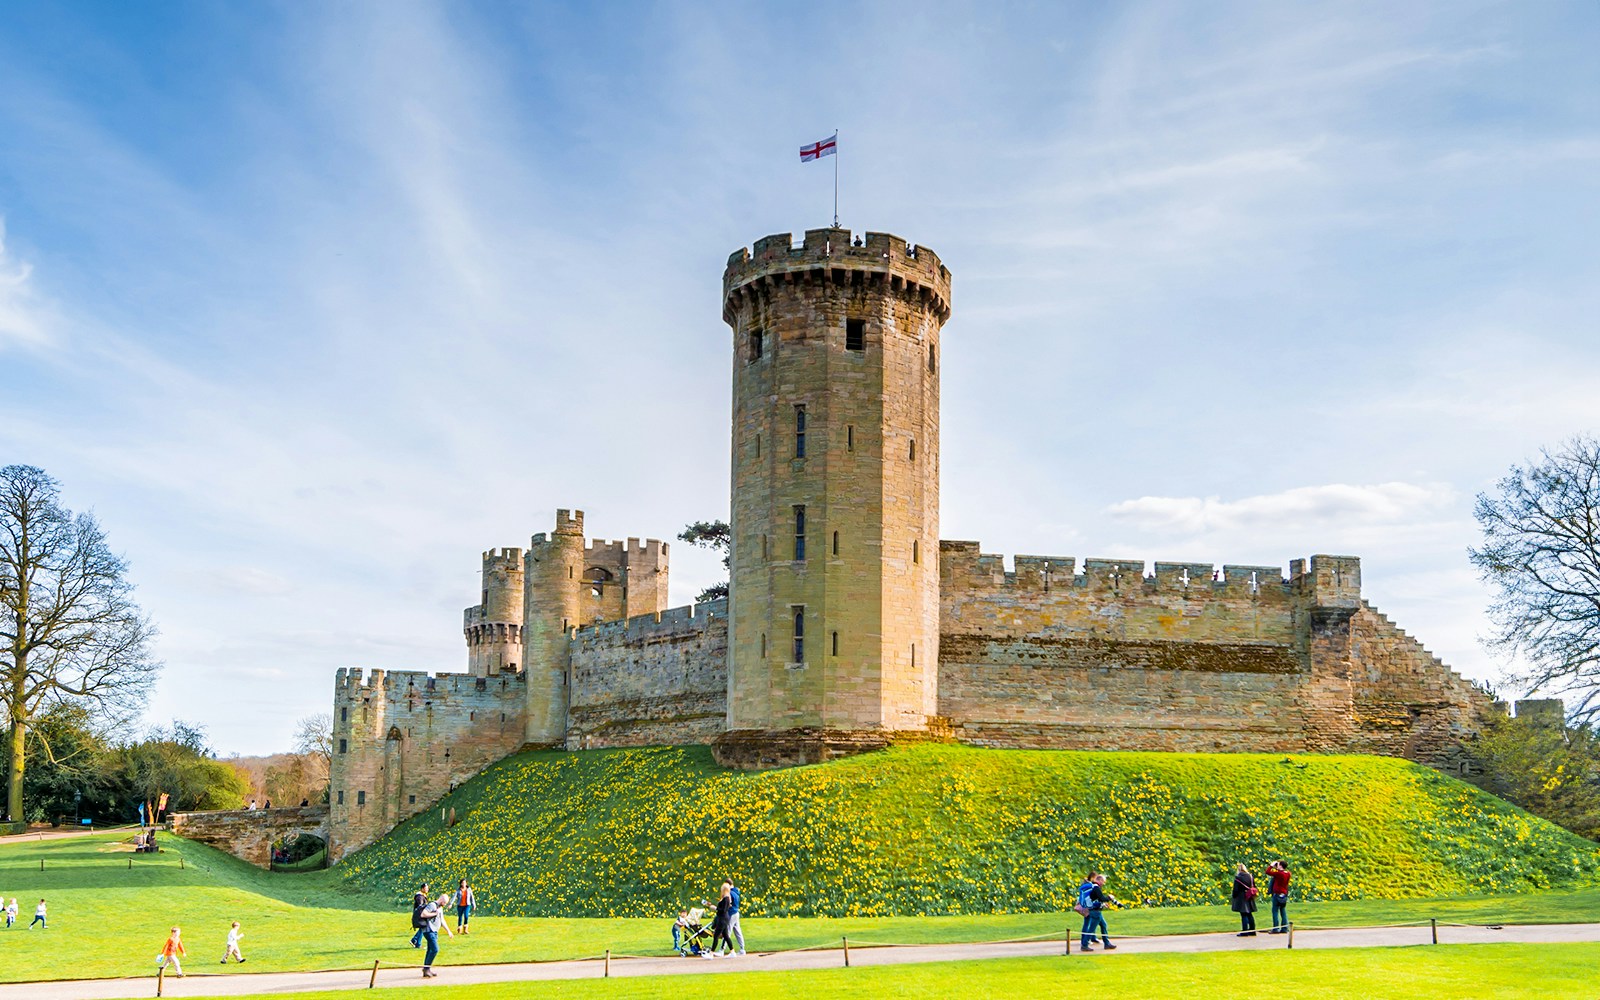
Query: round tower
{"points": [[494, 628], [553, 570], [834, 616]]}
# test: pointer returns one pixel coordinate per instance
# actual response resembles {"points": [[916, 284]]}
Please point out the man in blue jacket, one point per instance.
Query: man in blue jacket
{"points": [[734, 932]]}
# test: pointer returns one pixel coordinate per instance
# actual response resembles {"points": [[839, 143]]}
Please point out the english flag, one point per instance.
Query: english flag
{"points": [[820, 148]]}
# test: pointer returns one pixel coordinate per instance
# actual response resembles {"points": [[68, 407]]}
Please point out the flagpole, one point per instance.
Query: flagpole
{"points": [[836, 178]]}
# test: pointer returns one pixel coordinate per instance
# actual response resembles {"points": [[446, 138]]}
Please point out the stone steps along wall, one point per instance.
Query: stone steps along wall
{"points": [[658, 679]]}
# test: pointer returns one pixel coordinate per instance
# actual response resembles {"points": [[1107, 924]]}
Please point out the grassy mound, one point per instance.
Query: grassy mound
{"points": [[944, 829]]}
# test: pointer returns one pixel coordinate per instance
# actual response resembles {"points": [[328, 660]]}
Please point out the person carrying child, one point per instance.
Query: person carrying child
{"points": [[170, 952], [234, 934], [1092, 901]]}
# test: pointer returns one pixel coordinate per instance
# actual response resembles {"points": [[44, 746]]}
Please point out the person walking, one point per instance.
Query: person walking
{"points": [[418, 900], [464, 904], [1093, 899], [432, 916], [1243, 901], [1278, 888], [11, 912], [170, 952], [735, 934], [719, 924], [234, 934], [39, 917]]}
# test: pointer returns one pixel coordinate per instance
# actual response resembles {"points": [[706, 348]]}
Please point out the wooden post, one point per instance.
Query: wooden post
{"points": [[180, 861], [608, 964], [160, 971], [374, 980], [1433, 924], [1069, 941], [41, 864], [130, 864], [846, 952]]}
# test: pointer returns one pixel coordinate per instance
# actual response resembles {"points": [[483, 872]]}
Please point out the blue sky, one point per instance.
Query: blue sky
{"points": [[312, 303]]}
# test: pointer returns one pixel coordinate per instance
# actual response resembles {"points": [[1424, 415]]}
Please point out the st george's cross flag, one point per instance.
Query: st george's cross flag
{"points": [[820, 148]]}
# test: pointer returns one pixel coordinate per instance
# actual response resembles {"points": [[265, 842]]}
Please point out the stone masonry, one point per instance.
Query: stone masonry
{"points": [[250, 833], [851, 624]]}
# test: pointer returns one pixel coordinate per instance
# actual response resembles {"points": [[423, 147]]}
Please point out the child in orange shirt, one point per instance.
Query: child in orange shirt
{"points": [[170, 952]]}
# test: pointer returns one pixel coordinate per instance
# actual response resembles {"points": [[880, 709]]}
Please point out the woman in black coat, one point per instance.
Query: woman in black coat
{"points": [[1243, 901], [719, 926]]}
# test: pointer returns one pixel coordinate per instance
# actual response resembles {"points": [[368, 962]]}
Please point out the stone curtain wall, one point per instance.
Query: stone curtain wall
{"points": [[401, 740], [250, 833], [651, 680]]}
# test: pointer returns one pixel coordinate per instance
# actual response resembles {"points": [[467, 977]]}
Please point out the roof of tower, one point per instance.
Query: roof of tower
{"points": [[900, 263]]}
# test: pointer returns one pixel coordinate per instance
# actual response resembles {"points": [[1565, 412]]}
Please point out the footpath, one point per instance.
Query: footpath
{"points": [[204, 984]]}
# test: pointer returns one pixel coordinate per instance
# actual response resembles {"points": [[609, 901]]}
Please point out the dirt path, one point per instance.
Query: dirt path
{"points": [[204, 983]]}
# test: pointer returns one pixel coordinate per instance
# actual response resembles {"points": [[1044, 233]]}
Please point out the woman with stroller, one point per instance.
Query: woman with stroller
{"points": [[719, 925]]}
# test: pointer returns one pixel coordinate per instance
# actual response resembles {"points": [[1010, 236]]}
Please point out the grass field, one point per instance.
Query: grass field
{"points": [[109, 920], [941, 829], [1447, 972]]}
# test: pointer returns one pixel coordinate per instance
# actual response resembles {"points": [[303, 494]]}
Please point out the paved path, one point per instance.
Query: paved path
{"points": [[205, 984], [58, 834]]}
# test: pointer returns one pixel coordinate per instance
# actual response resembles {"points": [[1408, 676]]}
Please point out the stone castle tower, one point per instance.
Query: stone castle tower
{"points": [[494, 628], [834, 617]]}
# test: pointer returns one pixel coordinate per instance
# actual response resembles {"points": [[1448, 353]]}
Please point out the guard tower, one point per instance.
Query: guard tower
{"points": [[494, 628], [834, 618]]}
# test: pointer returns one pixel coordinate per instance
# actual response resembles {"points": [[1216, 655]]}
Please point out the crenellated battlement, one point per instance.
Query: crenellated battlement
{"points": [[568, 522], [506, 558], [1324, 580], [831, 255], [642, 627], [651, 553]]}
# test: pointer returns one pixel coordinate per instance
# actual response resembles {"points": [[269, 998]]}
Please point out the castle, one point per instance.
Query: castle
{"points": [[850, 623]]}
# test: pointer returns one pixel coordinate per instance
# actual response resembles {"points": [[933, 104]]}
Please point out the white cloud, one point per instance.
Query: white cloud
{"points": [[24, 317], [1304, 507]]}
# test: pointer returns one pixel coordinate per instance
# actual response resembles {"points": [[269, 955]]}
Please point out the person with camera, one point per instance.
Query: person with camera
{"points": [[1092, 903], [1243, 900], [1278, 888]]}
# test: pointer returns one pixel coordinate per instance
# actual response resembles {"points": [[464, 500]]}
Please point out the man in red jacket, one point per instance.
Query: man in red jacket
{"points": [[1278, 888]]}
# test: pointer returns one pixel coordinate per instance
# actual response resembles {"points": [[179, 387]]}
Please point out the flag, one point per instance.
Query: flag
{"points": [[820, 148], [161, 805]]}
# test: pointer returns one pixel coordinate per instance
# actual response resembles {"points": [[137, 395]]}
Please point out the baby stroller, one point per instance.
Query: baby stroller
{"points": [[692, 933]]}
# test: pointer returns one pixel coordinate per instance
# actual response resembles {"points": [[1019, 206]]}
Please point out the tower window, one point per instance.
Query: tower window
{"points": [[485, 600], [912, 451], [361, 798], [344, 714], [764, 546], [855, 334], [800, 432], [933, 358], [835, 543], [799, 532], [341, 797], [343, 746], [835, 644], [758, 445], [757, 344], [916, 551], [913, 654], [799, 634], [850, 437], [763, 645]]}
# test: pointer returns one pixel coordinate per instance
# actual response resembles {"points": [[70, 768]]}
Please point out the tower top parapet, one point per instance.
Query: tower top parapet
{"points": [[831, 254]]}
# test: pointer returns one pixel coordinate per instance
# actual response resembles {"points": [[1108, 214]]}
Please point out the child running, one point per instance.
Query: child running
{"points": [[11, 912], [234, 934], [39, 917], [170, 952]]}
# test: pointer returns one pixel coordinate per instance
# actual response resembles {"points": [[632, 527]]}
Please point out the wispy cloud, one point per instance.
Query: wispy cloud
{"points": [[25, 319], [1307, 509]]}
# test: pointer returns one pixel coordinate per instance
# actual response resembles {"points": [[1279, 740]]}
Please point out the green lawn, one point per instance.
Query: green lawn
{"points": [[1447, 972], [107, 920], [943, 829]]}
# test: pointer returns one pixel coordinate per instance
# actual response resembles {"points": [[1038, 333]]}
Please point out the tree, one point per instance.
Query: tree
{"points": [[313, 741], [70, 632], [178, 762], [1549, 769], [714, 535], [1541, 553]]}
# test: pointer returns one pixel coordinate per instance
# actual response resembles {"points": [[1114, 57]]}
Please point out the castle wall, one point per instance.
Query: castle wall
{"points": [[401, 740], [650, 680]]}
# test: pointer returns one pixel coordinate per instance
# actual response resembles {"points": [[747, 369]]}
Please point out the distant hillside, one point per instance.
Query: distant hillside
{"points": [[948, 829]]}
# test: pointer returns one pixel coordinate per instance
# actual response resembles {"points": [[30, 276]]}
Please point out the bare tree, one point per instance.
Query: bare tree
{"points": [[70, 632], [313, 740], [1541, 552]]}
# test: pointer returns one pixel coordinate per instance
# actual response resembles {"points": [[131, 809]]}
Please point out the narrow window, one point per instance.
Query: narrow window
{"points": [[916, 551], [411, 799], [758, 445], [835, 644], [361, 798], [763, 546], [341, 797], [912, 452], [343, 746], [835, 543], [855, 335], [800, 432], [763, 645], [344, 715], [799, 532], [757, 344], [913, 654], [486, 600], [933, 358], [850, 437], [799, 634], [472, 716]]}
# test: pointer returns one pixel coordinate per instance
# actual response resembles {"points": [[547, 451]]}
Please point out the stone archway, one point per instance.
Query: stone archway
{"points": [[250, 833]]}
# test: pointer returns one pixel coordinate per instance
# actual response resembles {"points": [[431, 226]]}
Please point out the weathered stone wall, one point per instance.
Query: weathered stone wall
{"points": [[250, 833], [651, 680], [494, 628], [401, 740]]}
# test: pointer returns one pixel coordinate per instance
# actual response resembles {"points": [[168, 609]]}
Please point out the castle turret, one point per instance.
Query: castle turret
{"points": [[835, 580], [553, 585], [494, 628]]}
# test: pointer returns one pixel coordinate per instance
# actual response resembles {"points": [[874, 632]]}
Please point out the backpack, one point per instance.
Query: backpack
{"points": [[416, 916], [1085, 904]]}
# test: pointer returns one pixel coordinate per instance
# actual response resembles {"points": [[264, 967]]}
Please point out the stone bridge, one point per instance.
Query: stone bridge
{"points": [[250, 833]]}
